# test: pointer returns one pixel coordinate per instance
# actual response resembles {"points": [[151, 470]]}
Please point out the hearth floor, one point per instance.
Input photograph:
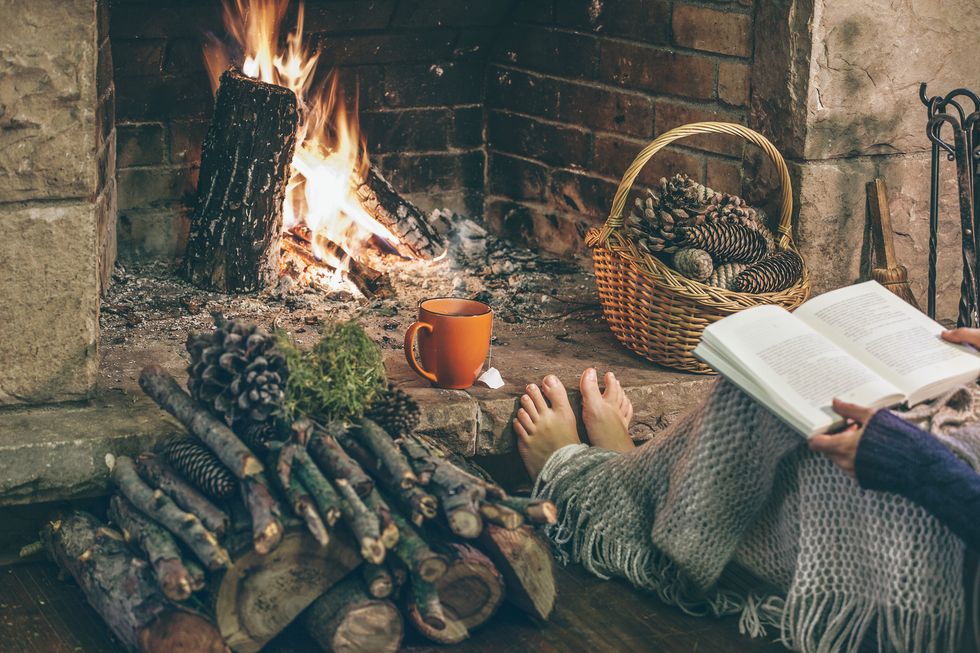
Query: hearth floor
{"points": [[41, 614], [547, 320]]}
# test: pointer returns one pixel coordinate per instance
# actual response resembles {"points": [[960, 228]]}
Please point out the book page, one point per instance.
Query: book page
{"points": [[891, 337], [801, 368]]}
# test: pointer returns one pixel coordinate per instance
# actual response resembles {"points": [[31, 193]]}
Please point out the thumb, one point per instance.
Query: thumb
{"points": [[963, 335]]}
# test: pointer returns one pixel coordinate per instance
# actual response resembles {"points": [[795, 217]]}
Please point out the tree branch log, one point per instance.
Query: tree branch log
{"points": [[123, 591], [159, 546], [159, 507], [160, 475], [162, 388]]}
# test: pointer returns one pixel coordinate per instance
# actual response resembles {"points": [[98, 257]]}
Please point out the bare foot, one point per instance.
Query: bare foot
{"points": [[607, 414], [545, 423]]}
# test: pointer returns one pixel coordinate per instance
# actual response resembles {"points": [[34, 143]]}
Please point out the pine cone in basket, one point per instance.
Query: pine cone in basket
{"points": [[658, 221], [772, 274], [693, 263], [394, 411], [238, 372], [200, 466], [725, 274], [732, 208], [727, 242]]}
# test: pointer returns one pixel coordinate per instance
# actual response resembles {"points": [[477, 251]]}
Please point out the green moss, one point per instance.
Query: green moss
{"points": [[337, 379]]}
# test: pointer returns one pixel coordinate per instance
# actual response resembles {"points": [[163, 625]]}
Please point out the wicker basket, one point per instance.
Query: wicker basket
{"points": [[657, 312]]}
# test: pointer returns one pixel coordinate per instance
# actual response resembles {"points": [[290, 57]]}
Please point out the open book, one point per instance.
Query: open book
{"points": [[861, 344]]}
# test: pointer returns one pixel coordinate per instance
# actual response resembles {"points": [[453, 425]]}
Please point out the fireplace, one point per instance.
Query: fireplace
{"points": [[506, 125]]}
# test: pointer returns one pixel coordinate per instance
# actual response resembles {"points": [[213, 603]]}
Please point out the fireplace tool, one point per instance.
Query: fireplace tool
{"points": [[965, 151]]}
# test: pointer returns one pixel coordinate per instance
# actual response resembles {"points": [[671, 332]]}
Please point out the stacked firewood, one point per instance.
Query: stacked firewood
{"points": [[240, 539]]}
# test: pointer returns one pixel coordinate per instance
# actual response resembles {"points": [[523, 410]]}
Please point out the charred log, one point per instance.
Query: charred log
{"points": [[371, 282], [401, 217], [233, 245]]}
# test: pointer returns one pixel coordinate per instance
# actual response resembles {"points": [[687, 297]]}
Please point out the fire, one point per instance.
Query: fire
{"points": [[330, 149]]}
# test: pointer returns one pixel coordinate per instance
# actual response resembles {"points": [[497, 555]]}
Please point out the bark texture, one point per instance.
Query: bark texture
{"points": [[234, 240], [123, 591]]}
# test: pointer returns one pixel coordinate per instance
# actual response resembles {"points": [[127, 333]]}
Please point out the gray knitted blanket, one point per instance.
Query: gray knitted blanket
{"points": [[731, 483]]}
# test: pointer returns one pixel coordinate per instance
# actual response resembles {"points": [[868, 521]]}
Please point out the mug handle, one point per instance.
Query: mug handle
{"points": [[410, 351]]}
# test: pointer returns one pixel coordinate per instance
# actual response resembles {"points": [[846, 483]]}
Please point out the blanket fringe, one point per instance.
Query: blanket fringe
{"points": [[837, 622]]}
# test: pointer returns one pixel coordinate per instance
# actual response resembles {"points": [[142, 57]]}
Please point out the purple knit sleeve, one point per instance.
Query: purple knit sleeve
{"points": [[895, 456]]}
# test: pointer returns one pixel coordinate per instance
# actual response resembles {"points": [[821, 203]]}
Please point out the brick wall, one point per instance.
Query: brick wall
{"points": [[419, 66], [527, 111], [577, 87]]}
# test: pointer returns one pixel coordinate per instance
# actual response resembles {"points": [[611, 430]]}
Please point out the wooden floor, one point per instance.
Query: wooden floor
{"points": [[41, 614]]}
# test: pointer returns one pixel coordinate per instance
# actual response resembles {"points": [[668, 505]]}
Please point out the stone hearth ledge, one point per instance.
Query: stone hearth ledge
{"points": [[58, 452]]}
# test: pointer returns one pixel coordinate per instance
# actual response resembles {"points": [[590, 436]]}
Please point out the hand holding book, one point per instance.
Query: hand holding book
{"points": [[841, 447], [860, 344]]}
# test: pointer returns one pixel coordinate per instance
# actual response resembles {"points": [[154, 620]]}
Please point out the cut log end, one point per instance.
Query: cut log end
{"points": [[371, 628], [526, 564], [372, 550], [432, 567], [465, 523], [181, 631], [544, 512], [472, 590]]}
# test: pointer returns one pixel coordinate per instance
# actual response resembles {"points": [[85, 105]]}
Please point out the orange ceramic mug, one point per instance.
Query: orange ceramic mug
{"points": [[454, 340]]}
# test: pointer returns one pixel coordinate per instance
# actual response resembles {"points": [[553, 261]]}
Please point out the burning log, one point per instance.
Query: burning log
{"points": [[123, 591], [346, 620], [233, 245], [371, 282], [402, 218]]}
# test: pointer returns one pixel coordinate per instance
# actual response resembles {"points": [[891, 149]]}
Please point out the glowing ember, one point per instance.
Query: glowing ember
{"points": [[329, 146]]}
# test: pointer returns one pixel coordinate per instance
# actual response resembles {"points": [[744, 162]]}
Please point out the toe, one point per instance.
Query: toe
{"points": [[613, 392], [589, 386], [556, 393], [528, 404], [629, 412], [534, 392], [519, 430], [525, 419]]}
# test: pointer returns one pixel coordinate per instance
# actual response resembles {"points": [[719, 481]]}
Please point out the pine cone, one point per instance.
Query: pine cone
{"points": [[200, 466], [732, 208], [725, 274], [681, 193], [658, 221], [727, 242], [237, 371], [778, 272], [394, 411], [693, 263]]}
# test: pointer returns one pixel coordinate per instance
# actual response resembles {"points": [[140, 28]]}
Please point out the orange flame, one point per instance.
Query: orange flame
{"points": [[330, 149]]}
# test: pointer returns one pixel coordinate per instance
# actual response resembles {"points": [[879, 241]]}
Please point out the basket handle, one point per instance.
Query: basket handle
{"points": [[615, 218]]}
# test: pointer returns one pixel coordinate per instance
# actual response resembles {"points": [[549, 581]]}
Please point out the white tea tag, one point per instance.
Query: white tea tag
{"points": [[491, 378]]}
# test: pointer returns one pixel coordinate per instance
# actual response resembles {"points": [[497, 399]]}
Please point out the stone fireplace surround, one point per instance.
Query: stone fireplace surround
{"points": [[524, 112]]}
